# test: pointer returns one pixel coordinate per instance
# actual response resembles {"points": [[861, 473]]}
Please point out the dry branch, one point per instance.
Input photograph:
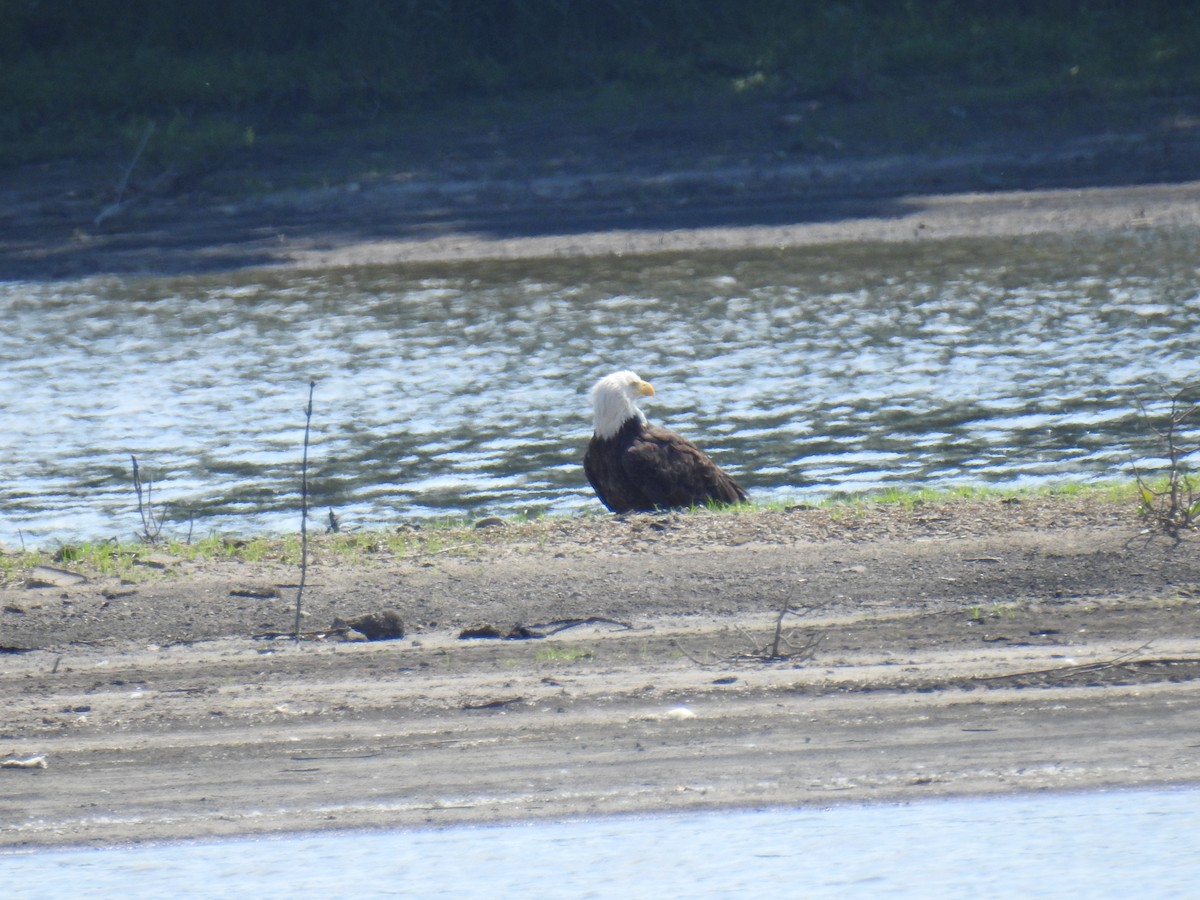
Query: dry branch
{"points": [[304, 511], [122, 185], [151, 523]]}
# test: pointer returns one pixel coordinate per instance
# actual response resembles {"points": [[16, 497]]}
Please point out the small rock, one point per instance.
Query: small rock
{"points": [[33, 762], [490, 522], [479, 631], [381, 626], [48, 576]]}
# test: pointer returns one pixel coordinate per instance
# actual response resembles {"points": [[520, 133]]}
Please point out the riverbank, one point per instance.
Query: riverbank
{"points": [[958, 647], [546, 181]]}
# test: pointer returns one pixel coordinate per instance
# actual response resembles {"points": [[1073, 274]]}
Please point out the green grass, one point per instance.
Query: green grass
{"points": [[106, 558], [980, 613], [1111, 492], [563, 654], [218, 547], [457, 537]]}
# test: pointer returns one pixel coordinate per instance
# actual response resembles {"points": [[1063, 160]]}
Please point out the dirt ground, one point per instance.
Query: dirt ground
{"points": [[634, 664], [590, 666]]}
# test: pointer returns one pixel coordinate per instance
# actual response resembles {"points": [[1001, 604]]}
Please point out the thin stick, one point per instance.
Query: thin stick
{"points": [[1113, 663], [304, 511], [113, 208], [151, 525]]}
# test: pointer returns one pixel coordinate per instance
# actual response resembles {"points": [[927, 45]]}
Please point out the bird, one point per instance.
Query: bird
{"points": [[637, 467]]}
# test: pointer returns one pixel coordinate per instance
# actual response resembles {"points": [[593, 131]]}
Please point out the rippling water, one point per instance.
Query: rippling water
{"points": [[450, 390], [1138, 843]]}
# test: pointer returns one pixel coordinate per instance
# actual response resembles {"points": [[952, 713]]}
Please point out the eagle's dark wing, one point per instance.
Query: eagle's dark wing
{"points": [[673, 472], [596, 466]]}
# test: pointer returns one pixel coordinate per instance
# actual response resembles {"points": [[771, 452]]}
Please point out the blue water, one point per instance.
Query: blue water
{"points": [[461, 390], [1126, 844]]}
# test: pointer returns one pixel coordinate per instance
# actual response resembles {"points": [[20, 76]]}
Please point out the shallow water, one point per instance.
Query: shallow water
{"points": [[1137, 843], [461, 389]]}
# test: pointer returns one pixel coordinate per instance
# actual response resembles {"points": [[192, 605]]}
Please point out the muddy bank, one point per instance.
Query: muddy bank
{"points": [[758, 174], [970, 647]]}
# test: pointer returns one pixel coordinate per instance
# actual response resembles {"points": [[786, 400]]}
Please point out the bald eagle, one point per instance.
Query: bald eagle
{"points": [[638, 467]]}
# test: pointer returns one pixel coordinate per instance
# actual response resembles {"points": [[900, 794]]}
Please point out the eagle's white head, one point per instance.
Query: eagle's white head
{"points": [[614, 401]]}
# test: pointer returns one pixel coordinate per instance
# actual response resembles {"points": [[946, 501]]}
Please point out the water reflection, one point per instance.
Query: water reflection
{"points": [[462, 389]]}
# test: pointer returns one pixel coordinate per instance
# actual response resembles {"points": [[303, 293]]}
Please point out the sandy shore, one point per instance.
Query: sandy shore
{"points": [[971, 647]]}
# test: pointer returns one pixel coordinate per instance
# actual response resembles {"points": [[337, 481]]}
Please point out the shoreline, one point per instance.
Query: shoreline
{"points": [[221, 239], [454, 199], [926, 217], [387, 825], [962, 648]]}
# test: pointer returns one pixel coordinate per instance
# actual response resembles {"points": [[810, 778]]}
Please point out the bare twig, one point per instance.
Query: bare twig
{"points": [[318, 635], [1177, 505], [775, 650], [675, 645], [774, 654], [304, 510], [549, 628], [151, 523], [781, 647], [119, 202], [1115, 662], [498, 703]]}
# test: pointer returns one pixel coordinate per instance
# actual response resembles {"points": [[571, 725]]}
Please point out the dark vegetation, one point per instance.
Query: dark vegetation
{"points": [[94, 77]]}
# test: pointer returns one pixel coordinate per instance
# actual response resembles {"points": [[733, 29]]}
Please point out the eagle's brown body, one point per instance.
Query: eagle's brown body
{"points": [[638, 467]]}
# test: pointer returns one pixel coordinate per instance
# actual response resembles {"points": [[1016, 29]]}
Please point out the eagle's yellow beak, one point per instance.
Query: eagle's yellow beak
{"points": [[645, 388]]}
